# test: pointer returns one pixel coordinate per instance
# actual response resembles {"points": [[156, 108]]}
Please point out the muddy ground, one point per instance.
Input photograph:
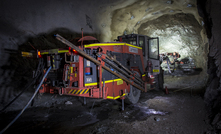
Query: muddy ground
{"points": [[156, 113]]}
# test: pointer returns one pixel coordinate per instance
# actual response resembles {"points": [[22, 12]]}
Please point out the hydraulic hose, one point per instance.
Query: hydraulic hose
{"points": [[28, 86], [3, 109], [168, 66], [36, 91]]}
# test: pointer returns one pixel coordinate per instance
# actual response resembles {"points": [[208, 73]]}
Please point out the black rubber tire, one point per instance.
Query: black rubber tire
{"points": [[134, 95]]}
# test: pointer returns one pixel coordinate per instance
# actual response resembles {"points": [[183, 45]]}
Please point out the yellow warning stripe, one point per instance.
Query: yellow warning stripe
{"points": [[117, 97], [95, 83], [117, 79], [26, 54], [42, 53], [111, 44], [59, 51], [70, 91], [75, 91], [78, 91], [91, 84], [87, 91], [134, 46], [63, 51]]}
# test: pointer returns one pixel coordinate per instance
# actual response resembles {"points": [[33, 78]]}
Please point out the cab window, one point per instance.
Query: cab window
{"points": [[154, 48], [141, 44], [131, 40], [141, 41]]}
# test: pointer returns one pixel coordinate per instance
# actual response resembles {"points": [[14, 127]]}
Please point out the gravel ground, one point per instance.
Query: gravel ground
{"points": [[155, 113]]}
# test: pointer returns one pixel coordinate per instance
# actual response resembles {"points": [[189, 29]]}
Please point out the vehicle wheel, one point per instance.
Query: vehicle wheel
{"points": [[134, 95]]}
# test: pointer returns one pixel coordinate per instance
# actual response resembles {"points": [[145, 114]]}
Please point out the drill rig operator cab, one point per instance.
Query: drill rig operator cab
{"points": [[150, 48]]}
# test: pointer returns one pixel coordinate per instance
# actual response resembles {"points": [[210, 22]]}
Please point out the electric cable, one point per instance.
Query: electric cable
{"points": [[3, 109], [33, 81], [36, 91]]}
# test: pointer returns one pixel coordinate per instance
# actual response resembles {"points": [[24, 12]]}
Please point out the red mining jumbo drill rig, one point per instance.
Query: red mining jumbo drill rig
{"points": [[113, 70]]}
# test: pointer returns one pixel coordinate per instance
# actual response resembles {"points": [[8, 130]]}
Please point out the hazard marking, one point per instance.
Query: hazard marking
{"points": [[75, 91]]}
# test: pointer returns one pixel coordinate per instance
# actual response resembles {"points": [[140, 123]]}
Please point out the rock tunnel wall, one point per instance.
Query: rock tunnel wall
{"points": [[212, 95], [178, 26], [210, 10]]}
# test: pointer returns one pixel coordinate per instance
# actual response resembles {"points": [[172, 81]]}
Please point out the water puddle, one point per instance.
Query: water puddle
{"points": [[141, 112]]}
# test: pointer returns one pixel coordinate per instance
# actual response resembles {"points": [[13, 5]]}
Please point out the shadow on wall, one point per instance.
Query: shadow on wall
{"points": [[203, 13], [18, 71]]}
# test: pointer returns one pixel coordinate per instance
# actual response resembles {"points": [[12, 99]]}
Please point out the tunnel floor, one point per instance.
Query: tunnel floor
{"points": [[156, 113]]}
